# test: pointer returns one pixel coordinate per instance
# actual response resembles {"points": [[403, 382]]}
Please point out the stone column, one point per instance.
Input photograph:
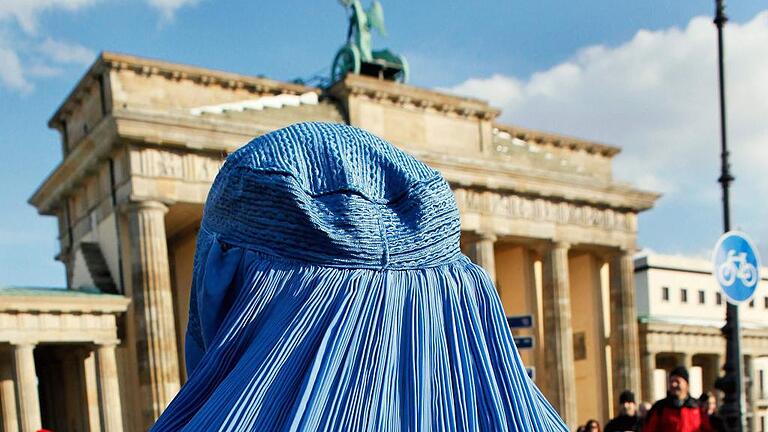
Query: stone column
{"points": [[534, 306], [714, 371], [7, 394], [558, 333], [624, 330], [750, 393], [27, 395], [91, 390], [649, 365], [480, 251], [109, 395], [685, 359], [155, 335]]}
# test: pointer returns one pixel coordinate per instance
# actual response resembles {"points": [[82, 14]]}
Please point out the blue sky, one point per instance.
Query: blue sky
{"points": [[640, 75]]}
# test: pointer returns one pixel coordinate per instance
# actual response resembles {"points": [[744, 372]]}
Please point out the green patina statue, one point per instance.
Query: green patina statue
{"points": [[357, 56]]}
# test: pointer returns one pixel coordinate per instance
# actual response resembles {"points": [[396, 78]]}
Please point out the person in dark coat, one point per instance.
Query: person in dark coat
{"points": [[627, 419], [678, 412], [708, 402], [642, 412]]}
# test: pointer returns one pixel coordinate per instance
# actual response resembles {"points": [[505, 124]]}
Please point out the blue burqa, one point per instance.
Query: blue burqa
{"points": [[329, 294]]}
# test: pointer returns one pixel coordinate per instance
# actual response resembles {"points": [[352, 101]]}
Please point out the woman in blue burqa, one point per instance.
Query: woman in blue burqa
{"points": [[330, 294]]}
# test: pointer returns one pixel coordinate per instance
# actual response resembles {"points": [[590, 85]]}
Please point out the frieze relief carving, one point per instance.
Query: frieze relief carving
{"points": [[205, 168], [152, 162], [168, 165], [540, 209]]}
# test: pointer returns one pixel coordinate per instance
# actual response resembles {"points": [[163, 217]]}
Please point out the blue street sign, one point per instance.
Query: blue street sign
{"points": [[736, 266], [520, 321], [524, 342], [531, 371]]}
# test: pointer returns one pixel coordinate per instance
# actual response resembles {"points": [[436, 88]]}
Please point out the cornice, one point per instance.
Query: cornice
{"points": [[98, 304], [172, 71], [98, 144], [78, 164], [461, 171], [557, 140], [751, 329], [398, 94], [490, 174]]}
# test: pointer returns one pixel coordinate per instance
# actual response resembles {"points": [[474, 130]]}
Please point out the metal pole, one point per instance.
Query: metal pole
{"points": [[731, 382]]}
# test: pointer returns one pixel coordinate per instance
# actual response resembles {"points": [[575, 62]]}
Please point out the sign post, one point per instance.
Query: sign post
{"points": [[736, 266], [731, 382], [523, 342]]}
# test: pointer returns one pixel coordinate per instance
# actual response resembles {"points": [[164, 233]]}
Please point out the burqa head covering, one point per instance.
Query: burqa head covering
{"points": [[329, 294]]}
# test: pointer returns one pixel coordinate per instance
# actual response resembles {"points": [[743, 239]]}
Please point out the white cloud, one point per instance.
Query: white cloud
{"points": [[26, 12], [25, 54], [22, 55], [22, 60], [43, 71], [11, 72], [169, 7], [66, 53], [656, 97]]}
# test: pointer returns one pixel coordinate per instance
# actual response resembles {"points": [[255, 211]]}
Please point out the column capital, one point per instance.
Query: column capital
{"points": [[107, 343], [23, 344], [543, 247], [487, 236], [146, 205], [626, 250], [478, 236]]}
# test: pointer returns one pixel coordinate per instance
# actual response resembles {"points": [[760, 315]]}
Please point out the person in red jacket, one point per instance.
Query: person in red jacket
{"points": [[678, 412]]}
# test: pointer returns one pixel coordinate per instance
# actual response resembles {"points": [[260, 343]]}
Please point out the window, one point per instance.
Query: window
{"points": [[765, 302], [683, 295], [702, 297], [718, 299], [665, 293], [752, 303]]}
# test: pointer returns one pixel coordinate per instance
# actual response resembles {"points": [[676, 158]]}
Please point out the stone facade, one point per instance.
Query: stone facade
{"points": [[58, 360], [681, 311], [143, 139]]}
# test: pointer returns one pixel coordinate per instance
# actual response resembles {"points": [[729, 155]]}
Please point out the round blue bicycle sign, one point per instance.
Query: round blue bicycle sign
{"points": [[736, 266]]}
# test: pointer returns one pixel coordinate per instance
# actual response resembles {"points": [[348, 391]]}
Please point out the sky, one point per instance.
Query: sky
{"points": [[638, 75]]}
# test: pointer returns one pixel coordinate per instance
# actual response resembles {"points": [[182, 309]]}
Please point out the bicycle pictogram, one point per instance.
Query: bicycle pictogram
{"points": [[737, 266]]}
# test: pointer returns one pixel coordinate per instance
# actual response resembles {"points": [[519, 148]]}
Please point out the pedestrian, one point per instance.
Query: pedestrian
{"points": [[627, 420], [642, 413], [708, 402], [329, 293], [678, 412], [592, 426]]}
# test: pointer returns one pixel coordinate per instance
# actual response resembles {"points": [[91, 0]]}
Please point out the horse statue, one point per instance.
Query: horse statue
{"points": [[356, 56]]}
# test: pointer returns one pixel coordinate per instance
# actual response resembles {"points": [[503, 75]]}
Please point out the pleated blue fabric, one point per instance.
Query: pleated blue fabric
{"points": [[329, 294]]}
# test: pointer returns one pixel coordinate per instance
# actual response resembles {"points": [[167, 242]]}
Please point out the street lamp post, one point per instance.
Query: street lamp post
{"points": [[731, 382]]}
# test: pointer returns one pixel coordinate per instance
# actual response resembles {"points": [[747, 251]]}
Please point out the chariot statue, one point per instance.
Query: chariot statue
{"points": [[356, 56]]}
